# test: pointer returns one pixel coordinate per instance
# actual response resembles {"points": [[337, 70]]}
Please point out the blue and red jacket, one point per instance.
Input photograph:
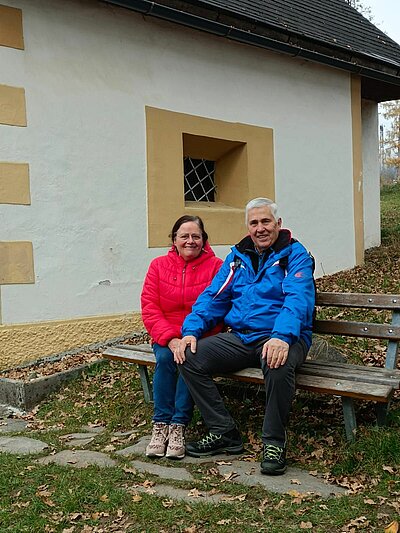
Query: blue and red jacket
{"points": [[258, 298]]}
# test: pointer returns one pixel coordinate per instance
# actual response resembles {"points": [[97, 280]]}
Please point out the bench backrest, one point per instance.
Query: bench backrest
{"points": [[389, 332]]}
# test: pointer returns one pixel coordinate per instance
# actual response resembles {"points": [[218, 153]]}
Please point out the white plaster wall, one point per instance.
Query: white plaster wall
{"points": [[89, 70], [371, 178]]}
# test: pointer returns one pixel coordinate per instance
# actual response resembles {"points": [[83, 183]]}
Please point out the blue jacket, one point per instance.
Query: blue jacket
{"points": [[264, 300]]}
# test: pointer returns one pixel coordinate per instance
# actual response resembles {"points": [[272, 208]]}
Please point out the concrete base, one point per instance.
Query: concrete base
{"points": [[26, 394]]}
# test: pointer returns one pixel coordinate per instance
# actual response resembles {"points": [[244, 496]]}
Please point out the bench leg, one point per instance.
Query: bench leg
{"points": [[146, 385], [381, 410], [349, 414]]}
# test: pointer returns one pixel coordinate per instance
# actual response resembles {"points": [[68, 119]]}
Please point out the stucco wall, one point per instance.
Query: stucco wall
{"points": [[89, 70]]}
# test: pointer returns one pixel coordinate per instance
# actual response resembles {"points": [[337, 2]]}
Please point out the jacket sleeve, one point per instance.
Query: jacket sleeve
{"points": [[299, 297], [160, 330], [212, 305]]}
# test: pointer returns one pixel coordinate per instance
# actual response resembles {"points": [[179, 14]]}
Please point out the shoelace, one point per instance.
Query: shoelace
{"points": [[209, 439], [272, 452], [176, 436], [158, 436]]}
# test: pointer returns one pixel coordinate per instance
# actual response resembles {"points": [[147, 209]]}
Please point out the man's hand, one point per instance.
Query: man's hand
{"points": [[179, 353], [275, 351]]}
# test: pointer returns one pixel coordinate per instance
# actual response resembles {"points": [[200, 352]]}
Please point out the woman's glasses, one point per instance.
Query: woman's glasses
{"points": [[187, 236]]}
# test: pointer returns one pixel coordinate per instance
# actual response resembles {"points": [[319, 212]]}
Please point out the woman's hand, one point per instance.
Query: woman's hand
{"points": [[179, 354], [173, 344]]}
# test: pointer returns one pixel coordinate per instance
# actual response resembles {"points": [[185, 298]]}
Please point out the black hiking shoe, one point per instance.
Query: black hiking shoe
{"points": [[273, 460], [212, 444]]}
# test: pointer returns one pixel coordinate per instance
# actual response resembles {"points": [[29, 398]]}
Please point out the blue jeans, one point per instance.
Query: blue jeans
{"points": [[173, 403]]}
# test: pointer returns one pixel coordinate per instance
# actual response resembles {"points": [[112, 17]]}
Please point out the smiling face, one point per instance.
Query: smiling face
{"points": [[189, 241], [263, 227]]}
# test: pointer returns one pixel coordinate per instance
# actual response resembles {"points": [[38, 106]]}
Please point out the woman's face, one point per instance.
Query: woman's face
{"points": [[189, 241]]}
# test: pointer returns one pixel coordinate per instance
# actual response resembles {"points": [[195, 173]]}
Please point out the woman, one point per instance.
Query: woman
{"points": [[172, 285]]}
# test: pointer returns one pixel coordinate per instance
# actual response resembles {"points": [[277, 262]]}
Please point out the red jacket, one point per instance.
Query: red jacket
{"points": [[170, 289]]}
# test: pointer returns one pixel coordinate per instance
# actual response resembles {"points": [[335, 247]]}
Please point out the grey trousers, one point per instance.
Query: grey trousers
{"points": [[226, 353]]}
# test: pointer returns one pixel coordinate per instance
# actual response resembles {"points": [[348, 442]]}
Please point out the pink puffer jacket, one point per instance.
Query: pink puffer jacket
{"points": [[170, 289]]}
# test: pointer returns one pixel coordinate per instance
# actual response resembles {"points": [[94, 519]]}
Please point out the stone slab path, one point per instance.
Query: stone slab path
{"points": [[230, 468]]}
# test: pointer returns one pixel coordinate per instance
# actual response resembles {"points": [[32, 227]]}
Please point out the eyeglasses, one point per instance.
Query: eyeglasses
{"points": [[187, 236]]}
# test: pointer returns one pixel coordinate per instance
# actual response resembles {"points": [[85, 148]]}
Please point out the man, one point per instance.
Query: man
{"points": [[265, 293]]}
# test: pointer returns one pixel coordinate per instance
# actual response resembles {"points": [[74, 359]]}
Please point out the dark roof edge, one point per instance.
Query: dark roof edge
{"points": [[147, 7]]}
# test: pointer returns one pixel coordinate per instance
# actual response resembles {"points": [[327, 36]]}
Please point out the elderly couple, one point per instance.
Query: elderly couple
{"points": [[263, 294]]}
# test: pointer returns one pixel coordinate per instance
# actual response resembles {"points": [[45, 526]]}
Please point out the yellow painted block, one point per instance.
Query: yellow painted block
{"points": [[11, 32], [25, 343], [12, 106], [16, 262], [14, 184]]}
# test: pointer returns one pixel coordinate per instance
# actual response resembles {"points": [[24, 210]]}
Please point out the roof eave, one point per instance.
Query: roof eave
{"points": [[381, 79]]}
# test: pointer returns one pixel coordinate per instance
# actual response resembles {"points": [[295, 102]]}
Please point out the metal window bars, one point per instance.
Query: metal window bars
{"points": [[199, 180]]}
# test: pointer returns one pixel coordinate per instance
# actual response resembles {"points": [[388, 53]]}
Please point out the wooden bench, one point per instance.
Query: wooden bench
{"points": [[349, 381]]}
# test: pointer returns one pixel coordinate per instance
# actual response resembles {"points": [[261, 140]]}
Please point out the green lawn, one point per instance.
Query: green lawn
{"points": [[34, 498]]}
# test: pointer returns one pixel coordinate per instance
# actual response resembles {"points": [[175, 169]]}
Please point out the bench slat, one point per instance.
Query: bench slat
{"points": [[321, 368], [358, 373], [367, 389], [367, 301], [358, 329], [129, 356], [363, 391]]}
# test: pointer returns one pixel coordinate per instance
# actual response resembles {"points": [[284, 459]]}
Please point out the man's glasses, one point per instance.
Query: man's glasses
{"points": [[187, 236]]}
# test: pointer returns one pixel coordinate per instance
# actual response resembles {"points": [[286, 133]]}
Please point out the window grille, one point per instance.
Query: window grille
{"points": [[199, 180]]}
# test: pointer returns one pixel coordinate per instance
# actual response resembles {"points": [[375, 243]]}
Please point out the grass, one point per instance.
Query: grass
{"points": [[37, 498]]}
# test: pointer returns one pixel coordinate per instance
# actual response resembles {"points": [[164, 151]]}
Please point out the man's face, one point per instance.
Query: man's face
{"points": [[263, 228]]}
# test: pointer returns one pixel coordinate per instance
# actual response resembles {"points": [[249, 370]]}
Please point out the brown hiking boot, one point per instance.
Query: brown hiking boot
{"points": [[176, 442], [159, 439]]}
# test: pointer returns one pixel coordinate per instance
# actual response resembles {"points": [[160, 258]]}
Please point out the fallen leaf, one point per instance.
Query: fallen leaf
{"points": [[130, 470], [393, 527], [295, 482], [306, 525], [75, 516], [136, 498], [168, 503], [230, 476], [194, 493], [388, 469]]}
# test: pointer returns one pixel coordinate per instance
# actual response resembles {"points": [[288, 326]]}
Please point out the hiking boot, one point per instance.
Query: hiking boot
{"points": [[273, 460], [159, 439], [176, 442], [212, 444]]}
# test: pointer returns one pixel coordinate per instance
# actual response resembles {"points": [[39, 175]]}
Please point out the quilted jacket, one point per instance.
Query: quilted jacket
{"points": [[170, 289]]}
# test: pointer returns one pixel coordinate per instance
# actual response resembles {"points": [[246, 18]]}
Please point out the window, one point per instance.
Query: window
{"points": [[205, 167], [199, 179]]}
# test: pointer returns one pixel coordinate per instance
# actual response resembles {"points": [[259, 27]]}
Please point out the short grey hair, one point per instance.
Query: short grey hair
{"points": [[262, 202]]}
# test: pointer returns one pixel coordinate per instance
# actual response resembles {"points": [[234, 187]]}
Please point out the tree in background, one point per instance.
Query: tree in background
{"points": [[390, 140], [358, 4]]}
